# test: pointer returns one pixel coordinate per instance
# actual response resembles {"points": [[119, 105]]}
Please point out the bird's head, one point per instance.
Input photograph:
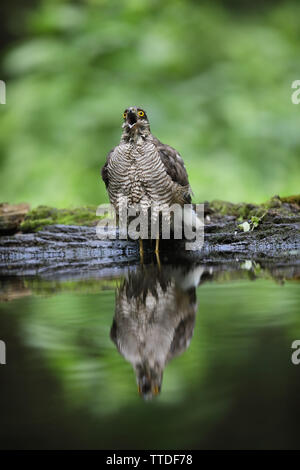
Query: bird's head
{"points": [[149, 380], [135, 122]]}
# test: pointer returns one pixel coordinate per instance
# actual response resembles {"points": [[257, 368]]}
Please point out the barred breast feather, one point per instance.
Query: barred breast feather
{"points": [[146, 172]]}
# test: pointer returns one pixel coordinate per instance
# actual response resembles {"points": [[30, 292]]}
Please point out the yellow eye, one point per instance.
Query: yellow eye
{"points": [[124, 115], [141, 113]]}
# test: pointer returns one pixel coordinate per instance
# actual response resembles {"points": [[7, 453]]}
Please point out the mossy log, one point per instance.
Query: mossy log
{"points": [[58, 242]]}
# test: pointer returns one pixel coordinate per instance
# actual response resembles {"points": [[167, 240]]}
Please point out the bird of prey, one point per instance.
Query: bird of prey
{"points": [[144, 171], [154, 319]]}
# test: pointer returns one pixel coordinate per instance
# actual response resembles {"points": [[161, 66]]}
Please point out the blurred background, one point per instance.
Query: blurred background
{"points": [[214, 77]]}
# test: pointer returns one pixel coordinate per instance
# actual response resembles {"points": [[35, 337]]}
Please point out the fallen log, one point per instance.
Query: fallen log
{"points": [[43, 245]]}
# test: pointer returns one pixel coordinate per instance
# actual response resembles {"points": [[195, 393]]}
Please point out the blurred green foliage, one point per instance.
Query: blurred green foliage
{"points": [[215, 81]]}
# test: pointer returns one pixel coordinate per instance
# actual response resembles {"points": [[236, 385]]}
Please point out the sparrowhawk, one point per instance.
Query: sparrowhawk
{"points": [[143, 170]]}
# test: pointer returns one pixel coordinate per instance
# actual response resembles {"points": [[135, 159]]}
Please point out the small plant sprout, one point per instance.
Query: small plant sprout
{"points": [[251, 224]]}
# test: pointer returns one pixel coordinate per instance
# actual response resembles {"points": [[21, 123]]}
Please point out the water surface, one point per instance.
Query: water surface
{"points": [[178, 357]]}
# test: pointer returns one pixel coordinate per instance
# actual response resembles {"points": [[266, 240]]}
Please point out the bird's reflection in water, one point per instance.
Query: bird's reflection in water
{"points": [[154, 319]]}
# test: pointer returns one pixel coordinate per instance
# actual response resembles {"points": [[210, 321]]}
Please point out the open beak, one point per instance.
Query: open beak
{"points": [[131, 118]]}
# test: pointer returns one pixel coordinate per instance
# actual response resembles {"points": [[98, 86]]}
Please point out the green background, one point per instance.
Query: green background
{"points": [[214, 77]]}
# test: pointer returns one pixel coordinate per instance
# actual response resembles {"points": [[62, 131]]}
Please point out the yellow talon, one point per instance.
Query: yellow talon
{"points": [[157, 245], [141, 251], [157, 253]]}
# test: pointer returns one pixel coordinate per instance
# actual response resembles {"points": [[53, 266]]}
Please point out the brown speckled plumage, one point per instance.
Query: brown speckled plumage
{"points": [[142, 169]]}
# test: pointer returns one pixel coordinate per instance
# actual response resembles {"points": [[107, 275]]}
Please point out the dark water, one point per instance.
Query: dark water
{"points": [[177, 357]]}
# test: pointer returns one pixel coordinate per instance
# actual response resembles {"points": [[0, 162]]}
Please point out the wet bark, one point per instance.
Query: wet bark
{"points": [[59, 250]]}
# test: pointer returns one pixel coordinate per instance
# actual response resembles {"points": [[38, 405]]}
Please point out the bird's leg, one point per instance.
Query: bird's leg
{"points": [[157, 251], [157, 245], [141, 251]]}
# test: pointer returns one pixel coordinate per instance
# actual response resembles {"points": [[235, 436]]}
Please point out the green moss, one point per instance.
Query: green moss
{"points": [[292, 199], [241, 210], [245, 211], [38, 218]]}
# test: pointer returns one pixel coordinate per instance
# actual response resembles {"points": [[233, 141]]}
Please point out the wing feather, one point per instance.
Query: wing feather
{"points": [[104, 169], [174, 166]]}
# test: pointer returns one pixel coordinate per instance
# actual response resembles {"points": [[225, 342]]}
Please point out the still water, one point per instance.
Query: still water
{"points": [[169, 357]]}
